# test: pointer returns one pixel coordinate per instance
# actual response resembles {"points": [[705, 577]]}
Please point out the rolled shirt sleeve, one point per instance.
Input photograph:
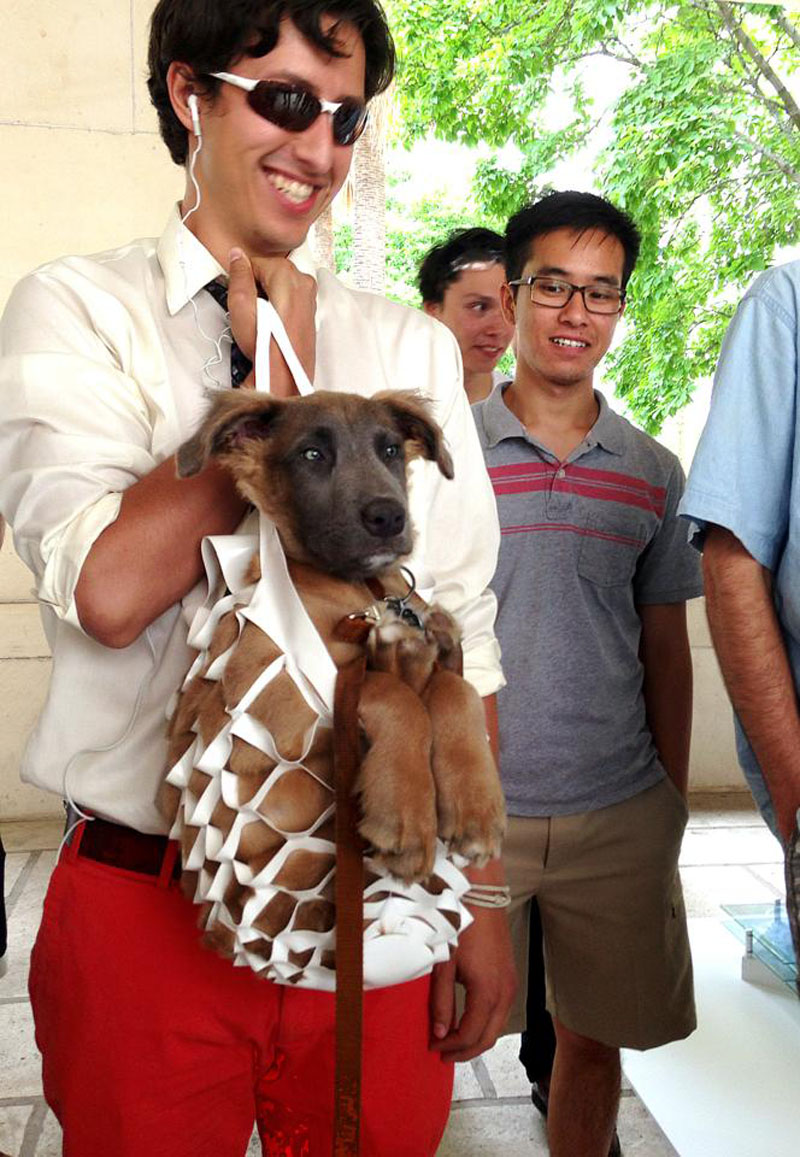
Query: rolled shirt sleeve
{"points": [[741, 477], [74, 434], [669, 569], [461, 530]]}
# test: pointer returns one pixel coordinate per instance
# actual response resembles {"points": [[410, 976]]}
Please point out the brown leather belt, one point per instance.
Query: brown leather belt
{"points": [[121, 847]]}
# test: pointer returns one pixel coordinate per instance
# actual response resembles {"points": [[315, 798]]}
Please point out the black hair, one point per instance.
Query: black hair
{"points": [[570, 210], [211, 35], [443, 264]]}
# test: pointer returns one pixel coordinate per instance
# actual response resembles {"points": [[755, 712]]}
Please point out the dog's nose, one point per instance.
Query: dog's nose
{"points": [[383, 517]]}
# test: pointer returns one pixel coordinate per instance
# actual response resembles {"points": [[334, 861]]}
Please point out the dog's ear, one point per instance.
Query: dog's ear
{"points": [[235, 417], [411, 413]]}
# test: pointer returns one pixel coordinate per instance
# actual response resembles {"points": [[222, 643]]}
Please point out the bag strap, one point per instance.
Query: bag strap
{"points": [[349, 895]]}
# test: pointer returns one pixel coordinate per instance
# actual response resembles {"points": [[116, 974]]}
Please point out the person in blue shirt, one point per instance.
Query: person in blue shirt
{"points": [[743, 496]]}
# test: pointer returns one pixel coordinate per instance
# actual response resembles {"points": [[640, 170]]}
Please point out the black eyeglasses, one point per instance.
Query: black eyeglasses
{"points": [[555, 294], [292, 107]]}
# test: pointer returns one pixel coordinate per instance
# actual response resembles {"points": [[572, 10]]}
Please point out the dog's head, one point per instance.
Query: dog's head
{"points": [[329, 469]]}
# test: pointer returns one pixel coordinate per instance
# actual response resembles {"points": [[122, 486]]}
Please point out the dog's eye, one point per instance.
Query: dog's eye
{"points": [[391, 451], [311, 454]]}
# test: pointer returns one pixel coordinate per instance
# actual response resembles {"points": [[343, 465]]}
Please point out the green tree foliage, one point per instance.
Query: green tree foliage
{"points": [[701, 145], [412, 228]]}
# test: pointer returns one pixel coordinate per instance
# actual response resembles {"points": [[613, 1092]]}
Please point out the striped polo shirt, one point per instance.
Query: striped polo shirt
{"points": [[584, 541]]}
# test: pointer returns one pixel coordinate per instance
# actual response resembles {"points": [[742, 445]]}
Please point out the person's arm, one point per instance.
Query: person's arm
{"points": [[667, 662], [149, 557], [483, 962], [754, 664]]}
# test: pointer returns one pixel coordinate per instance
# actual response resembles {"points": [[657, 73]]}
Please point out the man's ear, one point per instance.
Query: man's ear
{"points": [[233, 419], [181, 84], [423, 436], [432, 308], [508, 304]]}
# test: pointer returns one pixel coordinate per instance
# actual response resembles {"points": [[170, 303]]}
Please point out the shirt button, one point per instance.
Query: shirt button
{"points": [[560, 473]]}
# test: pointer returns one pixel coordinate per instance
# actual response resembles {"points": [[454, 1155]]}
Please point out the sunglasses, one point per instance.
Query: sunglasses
{"points": [[292, 107]]}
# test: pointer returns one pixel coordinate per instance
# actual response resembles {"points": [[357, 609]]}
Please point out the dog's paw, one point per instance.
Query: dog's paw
{"points": [[442, 630], [399, 648], [399, 820], [406, 850], [472, 821]]}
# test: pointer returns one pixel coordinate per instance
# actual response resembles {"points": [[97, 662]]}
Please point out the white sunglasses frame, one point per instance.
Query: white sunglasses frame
{"points": [[329, 106]]}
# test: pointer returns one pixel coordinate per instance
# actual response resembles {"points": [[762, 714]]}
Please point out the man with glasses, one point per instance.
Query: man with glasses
{"points": [[151, 1043], [593, 576]]}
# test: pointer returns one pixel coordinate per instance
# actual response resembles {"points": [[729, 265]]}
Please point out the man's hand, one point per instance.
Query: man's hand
{"points": [[294, 296], [483, 963]]}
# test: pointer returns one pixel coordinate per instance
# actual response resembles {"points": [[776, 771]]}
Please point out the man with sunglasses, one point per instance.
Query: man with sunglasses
{"points": [[151, 1043], [594, 723]]}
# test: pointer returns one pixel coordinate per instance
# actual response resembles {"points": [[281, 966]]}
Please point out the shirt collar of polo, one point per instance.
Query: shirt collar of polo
{"points": [[188, 266], [500, 423], [498, 420], [608, 430]]}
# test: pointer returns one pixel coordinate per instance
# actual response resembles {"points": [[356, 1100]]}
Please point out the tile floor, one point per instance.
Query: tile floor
{"points": [[728, 857]]}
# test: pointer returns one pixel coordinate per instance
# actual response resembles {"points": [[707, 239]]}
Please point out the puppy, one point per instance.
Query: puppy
{"points": [[329, 470]]}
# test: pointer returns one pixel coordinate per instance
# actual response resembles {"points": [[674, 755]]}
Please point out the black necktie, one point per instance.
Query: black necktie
{"points": [[240, 364]]}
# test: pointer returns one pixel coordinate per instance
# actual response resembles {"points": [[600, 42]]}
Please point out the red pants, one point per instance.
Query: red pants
{"points": [[152, 1046]]}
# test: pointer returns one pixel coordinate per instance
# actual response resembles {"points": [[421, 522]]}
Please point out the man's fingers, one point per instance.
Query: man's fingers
{"points": [[242, 298], [485, 1016], [479, 1028], [443, 999]]}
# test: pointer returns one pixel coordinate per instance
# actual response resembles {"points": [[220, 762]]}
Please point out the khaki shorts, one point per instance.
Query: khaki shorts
{"points": [[616, 947]]}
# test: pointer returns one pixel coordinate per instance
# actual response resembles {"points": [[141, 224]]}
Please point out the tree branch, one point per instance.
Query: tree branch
{"points": [[777, 161], [763, 65], [774, 108], [791, 30], [624, 54]]}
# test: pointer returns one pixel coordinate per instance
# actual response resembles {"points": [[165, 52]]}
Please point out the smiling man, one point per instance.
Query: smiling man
{"points": [[592, 580], [152, 1044]]}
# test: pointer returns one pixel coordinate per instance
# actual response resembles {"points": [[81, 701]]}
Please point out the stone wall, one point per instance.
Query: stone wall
{"points": [[82, 168]]}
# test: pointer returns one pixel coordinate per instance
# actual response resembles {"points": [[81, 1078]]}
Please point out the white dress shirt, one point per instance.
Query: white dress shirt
{"points": [[104, 365]]}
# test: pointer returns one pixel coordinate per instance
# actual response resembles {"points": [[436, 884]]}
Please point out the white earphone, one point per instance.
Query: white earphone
{"points": [[194, 109]]}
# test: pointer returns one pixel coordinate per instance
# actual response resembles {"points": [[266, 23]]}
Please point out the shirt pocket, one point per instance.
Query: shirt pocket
{"points": [[611, 543]]}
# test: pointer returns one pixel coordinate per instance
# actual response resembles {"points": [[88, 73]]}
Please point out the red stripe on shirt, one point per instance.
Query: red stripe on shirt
{"points": [[658, 492], [517, 468], [568, 528], [603, 485]]}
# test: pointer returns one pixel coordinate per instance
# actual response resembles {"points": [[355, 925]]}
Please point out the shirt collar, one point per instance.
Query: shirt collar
{"points": [[188, 266], [499, 423], [608, 430]]}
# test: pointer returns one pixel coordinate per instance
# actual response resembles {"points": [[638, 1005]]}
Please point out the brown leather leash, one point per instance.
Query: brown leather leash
{"points": [[349, 896], [349, 883]]}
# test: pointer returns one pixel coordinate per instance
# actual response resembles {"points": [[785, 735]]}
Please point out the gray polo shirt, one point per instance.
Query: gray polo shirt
{"points": [[583, 542]]}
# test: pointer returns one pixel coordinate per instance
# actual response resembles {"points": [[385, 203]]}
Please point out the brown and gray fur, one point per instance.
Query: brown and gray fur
{"points": [[330, 471]]}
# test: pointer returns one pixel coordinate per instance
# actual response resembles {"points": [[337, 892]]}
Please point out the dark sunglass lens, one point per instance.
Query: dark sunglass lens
{"points": [[348, 122], [287, 107]]}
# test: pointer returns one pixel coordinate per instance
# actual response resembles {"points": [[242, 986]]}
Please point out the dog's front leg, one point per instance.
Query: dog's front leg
{"points": [[395, 783], [469, 798]]}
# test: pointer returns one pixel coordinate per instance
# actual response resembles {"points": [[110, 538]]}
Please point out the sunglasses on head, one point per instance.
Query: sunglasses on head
{"points": [[294, 108]]}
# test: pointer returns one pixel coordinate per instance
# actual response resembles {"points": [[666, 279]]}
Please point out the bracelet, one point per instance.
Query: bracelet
{"points": [[488, 896]]}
